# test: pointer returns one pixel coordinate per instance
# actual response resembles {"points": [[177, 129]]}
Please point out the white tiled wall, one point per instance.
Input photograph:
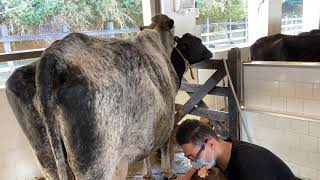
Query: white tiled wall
{"points": [[283, 89], [16, 158], [283, 114]]}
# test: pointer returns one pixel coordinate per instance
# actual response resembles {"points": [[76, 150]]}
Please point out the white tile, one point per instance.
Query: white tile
{"points": [[309, 173], [263, 120], [294, 106], [249, 73], [262, 73], [287, 89], [311, 75], [278, 103], [282, 123], [294, 168], [303, 90], [308, 143], [296, 156], [314, 129], [250, 99], [312, 160], [316, 90], [311, 108], [263, 102], [290, 75], [251, 86], [269, 88], [299, 126], [289, 140]]}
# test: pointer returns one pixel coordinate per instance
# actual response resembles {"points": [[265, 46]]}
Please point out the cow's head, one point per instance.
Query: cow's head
{"points": [[270, 48], [192, 48], [189, 48], [165, 27]]}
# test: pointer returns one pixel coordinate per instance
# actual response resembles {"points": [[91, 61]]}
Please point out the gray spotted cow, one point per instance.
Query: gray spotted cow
{"points": [[90, 107]]}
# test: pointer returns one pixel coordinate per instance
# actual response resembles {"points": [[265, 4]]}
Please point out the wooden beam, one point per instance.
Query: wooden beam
{"points": [[201, 92], [201, 103], [207, 113], [207, 64], [14, 56], [234, 67], [191, 88]]}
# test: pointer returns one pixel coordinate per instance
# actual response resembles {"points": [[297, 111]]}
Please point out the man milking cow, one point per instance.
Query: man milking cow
{"points": [[214, 158]]}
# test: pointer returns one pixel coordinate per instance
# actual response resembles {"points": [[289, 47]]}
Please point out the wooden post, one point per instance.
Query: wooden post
{"points": [[234, 65]]}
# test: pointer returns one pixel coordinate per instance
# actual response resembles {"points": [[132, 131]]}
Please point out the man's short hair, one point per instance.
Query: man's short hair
{"points": [[195, 132]]}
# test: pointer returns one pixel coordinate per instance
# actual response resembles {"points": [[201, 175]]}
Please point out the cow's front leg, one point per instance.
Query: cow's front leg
{"points": [[147, 170], [165, 162]]}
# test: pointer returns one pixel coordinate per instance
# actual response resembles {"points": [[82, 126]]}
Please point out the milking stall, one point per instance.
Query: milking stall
{"points": [[160, 89]]}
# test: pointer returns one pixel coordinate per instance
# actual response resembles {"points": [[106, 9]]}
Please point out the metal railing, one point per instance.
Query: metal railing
{"points": [[224, 33], [229, 33], [292, 26]]}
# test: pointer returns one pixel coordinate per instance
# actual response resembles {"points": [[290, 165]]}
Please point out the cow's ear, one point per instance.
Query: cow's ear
{"points": [[177, 39], [142, 28], [170, 23]]}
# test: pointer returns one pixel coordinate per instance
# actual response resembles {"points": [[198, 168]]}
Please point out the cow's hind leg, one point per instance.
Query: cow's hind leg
{"points": [[20, 91], [147, 170], [165, 162]]}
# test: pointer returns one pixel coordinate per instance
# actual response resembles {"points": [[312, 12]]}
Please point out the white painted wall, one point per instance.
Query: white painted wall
{"points": [[264, 18], [311, 14], [284, 114], [185, 22]]}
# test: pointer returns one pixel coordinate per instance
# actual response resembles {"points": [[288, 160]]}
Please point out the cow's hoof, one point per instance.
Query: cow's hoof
{"points": [[171, 176]]}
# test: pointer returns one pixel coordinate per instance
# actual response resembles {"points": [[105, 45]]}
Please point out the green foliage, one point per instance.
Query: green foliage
{"points": [[221, 10], [292, 7], [26, 15]]}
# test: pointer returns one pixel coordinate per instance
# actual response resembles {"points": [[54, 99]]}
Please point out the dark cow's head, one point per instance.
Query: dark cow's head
{"points": [[270, 48], [191, 49]]}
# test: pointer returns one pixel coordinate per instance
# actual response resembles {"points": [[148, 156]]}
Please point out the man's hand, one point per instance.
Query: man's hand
{"points": [[188, 174]]}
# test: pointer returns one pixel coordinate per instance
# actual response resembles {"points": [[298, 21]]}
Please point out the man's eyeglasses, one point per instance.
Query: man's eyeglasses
{"points": [[192, 158]]}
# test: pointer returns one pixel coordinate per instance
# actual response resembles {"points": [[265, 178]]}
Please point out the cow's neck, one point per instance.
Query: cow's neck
{"points": [[178, 63]]}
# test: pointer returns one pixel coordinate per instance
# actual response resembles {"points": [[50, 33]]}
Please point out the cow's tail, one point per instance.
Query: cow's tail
{"points": [[49, 69]]}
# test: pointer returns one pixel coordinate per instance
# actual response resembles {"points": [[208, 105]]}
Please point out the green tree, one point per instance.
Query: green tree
{"points": [[24, 16], [222, 10], [292, 7]]}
